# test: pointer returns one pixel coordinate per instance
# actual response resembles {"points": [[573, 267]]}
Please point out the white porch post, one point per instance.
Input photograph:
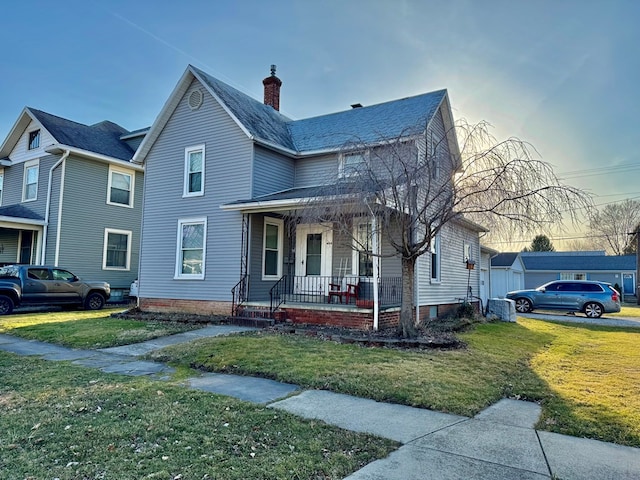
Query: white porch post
{"points": [[375, 244]]}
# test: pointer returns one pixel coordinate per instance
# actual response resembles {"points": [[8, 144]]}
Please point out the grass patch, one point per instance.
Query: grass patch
{"points": [[67, 422], [627, 310], [586, 377], [87, 329]]}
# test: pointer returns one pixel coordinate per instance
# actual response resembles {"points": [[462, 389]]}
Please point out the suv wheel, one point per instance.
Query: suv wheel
{"points": [[523, 305], [593, 310]]}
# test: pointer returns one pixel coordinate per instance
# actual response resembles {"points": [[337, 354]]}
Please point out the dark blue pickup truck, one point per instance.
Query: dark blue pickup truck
{"points": [[22, 285]]}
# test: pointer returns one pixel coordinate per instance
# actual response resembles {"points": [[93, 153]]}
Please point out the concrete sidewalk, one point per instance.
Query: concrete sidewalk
{"points": [[497, 444]]}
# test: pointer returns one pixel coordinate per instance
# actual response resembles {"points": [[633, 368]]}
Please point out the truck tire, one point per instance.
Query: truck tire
{"points": [[6, 305], [94, 301]]}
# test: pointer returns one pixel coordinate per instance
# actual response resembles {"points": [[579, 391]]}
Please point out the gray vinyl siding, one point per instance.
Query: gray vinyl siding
{"points": [[535, 279], [316, 170], [13, 184], [86, 215], [9, 242], [52, 229], [454, 275], [258, 288], [228, 156], [272, 172]]}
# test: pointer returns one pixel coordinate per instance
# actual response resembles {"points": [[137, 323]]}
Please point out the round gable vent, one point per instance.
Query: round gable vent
{"points": [[195, 99]]}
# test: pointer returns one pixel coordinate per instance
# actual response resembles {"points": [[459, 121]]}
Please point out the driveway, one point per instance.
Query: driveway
{"points": [[607, 321]]}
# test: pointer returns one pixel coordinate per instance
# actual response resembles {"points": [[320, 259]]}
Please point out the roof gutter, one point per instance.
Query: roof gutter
{"points": [[55, 149], [48, 207]]}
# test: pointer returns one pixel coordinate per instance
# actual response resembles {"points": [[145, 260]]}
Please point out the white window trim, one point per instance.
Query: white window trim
{"points": [[355, 253], [435, 245], [280, 224], [568, 276], [178, 270], [185, 187], [122, 171], [129, 234], [341, 162], [27, 165]]}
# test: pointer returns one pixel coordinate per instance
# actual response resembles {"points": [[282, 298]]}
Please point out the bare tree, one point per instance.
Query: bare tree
{"points": [[612, 226], [416, 184]]}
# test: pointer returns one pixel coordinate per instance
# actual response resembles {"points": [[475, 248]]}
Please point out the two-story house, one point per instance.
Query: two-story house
{"points": [[223, 175], [70, 197]]}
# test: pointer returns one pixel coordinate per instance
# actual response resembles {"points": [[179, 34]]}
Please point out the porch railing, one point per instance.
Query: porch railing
{"points": [[239, 294], [325, 289]]}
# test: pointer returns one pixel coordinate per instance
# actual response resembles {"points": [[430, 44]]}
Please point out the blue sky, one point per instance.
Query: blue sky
{"points": [[563, 75]]}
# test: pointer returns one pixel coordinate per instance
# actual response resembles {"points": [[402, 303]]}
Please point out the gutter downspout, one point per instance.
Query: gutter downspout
{"points": [[48, 207]]}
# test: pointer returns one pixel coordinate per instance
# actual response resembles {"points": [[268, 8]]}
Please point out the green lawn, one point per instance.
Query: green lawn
{"points": [[627, 310], [87, 329], [586, 377], [68, 422]]}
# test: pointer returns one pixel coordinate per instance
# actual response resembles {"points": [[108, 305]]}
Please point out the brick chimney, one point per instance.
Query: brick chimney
{"points": [[272, 86]]}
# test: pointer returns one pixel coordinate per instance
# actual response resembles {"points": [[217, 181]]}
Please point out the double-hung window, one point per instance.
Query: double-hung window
{"points": [[351, 163], [363, 249], [117, 249], [120, 188], [194, 171], [435, 259], [272, 253], [30, 185], [192, 234]]}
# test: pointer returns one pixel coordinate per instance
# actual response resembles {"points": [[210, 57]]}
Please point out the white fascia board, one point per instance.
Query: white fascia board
{"points": [[222, 104], [163, 117], [23, 121], [271, 205], [16, 222], [54, 149]]}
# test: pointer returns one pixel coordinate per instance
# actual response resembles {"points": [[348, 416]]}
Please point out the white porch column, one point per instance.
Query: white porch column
{"points": [[375, 246]]}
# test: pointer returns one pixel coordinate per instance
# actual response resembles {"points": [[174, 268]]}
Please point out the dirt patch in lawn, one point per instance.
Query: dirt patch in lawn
{"points": [[440, 334]]}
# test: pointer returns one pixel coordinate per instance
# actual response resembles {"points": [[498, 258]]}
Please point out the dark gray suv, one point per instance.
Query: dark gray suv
{"points": [[591, 298]]}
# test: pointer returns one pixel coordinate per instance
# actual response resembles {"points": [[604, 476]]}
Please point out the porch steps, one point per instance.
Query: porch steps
{"points": [[249, 316]]}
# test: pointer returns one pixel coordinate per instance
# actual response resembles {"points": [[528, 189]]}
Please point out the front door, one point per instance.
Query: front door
{"points": [[314, 245], [26, 246]]}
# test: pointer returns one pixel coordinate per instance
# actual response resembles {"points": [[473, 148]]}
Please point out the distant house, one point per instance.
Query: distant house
{"points": [[507, 274], [222, 170], [70, 197], [543, 267]]}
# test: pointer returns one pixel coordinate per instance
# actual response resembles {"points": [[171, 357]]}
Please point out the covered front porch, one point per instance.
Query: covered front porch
{"points": [[317, 273], [21, 235]]}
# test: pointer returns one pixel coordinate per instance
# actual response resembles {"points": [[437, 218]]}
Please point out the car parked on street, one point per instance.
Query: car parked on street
{"points": [[29, 285], [589, 297]]}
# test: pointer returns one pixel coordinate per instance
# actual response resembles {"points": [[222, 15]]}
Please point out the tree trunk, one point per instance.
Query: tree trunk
{"points": [[407, 323]]}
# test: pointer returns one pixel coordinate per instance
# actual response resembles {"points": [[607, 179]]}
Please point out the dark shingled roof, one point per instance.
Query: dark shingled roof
{"points": [[262, 121], [102, 138], [504, 259], [581, 263], [384, 121], [19, 211]]}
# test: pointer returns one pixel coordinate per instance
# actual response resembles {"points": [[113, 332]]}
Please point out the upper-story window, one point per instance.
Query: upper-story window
{"points": [[30, 186], [194, 171], [34, 140], [351, 163], [120, 188]]}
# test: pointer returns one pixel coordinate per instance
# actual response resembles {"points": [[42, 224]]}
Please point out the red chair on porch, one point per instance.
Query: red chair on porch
{"points": [[344, 290]]}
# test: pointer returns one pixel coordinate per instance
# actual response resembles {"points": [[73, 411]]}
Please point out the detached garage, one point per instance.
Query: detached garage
{"points": [[507, 274]]}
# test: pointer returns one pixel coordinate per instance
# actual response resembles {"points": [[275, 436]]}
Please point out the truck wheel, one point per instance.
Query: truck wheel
{"points": [[95, 301], [6, 305]]}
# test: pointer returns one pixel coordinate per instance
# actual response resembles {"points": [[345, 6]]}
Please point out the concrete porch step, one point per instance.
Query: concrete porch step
{"points": [[256, 322]]}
